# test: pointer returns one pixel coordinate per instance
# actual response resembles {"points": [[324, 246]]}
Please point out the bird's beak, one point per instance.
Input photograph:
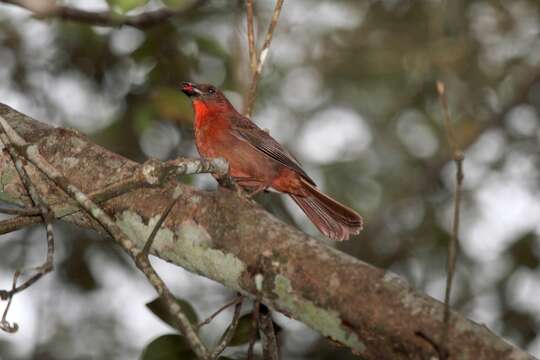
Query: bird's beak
{"points": [[190, 89]]}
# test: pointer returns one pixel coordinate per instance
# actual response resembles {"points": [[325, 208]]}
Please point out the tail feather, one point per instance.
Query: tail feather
{"points": [[333, 219]]}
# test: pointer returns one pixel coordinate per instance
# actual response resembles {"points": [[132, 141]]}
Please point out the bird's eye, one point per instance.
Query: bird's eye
{"points": [[211, 91]]}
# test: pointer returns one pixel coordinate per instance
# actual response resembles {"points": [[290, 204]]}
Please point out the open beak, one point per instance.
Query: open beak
{"points": [[190, 89]]}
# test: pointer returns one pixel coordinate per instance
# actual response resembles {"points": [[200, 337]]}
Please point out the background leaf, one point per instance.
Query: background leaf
{"points": [[157, 306], [175, 4], [123, 6], [168, 347], [242, 333]]}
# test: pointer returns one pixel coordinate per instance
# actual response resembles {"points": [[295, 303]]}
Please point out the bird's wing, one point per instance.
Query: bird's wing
{"points": [[245, 130]]}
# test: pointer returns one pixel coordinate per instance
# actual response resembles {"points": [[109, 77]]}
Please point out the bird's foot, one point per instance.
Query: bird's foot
{"points": [[257, 191]]}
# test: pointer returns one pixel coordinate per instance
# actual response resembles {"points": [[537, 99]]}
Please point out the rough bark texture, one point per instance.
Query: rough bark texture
{"points": [[232, 240]]}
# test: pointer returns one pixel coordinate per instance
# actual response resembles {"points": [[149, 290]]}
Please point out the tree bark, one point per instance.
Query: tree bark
{"points": [[232, 240]]}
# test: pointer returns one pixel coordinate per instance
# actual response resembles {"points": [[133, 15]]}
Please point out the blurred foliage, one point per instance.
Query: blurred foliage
{"points": [[242, 334], [158, 307], [349, 88], [168, 347], [125, 5]]}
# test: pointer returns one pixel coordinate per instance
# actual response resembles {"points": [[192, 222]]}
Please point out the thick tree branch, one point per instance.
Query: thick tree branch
{"points": [[232, 240], [31, 152], [51, 9]]}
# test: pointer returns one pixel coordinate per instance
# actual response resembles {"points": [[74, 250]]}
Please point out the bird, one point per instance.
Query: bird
{"points": [[257, 162]]}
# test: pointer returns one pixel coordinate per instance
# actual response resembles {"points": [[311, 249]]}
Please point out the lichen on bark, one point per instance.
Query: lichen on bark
{"points": [[190, 246]]}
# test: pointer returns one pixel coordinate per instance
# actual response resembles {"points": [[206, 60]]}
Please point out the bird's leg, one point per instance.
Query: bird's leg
{"points": [[254, 185], [257, 190], [231, 183]]}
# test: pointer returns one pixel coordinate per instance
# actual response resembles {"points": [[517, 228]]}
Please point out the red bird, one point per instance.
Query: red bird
{"points": [[258, 162]]}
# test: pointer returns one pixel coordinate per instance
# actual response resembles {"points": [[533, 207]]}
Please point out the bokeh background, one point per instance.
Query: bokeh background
{"points": [[349, 88]]}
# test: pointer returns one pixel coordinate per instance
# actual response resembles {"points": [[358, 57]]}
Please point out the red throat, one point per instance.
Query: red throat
{"points": [[201, 112]]}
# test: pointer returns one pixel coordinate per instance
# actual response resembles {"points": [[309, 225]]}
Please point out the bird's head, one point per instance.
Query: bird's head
{"points": [[202, 92], [206, 98]]}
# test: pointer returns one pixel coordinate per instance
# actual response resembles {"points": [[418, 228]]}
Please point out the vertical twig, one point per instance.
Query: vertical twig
{"points": [[457, 157], [268, 335], [251, 37], [254, 328], [230, 330], [262, 58]]}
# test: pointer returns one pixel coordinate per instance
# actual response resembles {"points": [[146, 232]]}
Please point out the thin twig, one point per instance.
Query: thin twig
{"points": [[209, 319], [457, 156], [44, 209], [18, 223], [51, 9], [262, 58], [254, 327], [441, 351], [230, 330], [31, 152], [150, 241], [4, 323], [268, 334], [19, 211], [251, 37]]}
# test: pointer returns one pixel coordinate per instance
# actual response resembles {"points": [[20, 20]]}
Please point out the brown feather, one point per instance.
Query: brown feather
{"points": [[257, 161], [333, 219]]}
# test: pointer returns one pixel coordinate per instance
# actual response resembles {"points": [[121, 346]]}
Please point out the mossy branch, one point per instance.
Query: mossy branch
{"points": [[225, 237]]}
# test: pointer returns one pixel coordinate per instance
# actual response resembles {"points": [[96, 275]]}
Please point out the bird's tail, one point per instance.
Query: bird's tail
{"points": [[333, 219]]}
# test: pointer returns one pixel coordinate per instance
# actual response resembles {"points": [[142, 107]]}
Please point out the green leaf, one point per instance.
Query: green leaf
{"points": [[211, 47], [523, 250], [158, 307], [175, 4], [75, 268], [123, 6], [243, 331], [168, 347]]}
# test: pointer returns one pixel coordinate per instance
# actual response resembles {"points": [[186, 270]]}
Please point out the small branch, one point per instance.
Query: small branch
{"points": [[262, 58], [230, 330], [268, 335], [32, 154], [46, 215], [18, 223], [51, 9], [207, 321], [19, 211], [254, 327], [457, 156], [251, 37], [150, 241], [4, 323]]}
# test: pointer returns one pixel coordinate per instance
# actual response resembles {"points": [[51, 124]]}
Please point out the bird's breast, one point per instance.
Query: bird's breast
{"points": [[212, 135]]}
